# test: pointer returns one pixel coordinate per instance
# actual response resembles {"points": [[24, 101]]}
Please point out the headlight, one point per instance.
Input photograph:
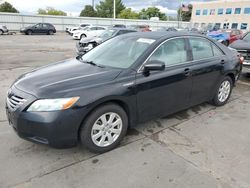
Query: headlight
{"points": [[220, 40], [47, 105], [230, 48]]}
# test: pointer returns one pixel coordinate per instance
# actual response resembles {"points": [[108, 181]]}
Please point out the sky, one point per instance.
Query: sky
{"points": [[73, 7]]}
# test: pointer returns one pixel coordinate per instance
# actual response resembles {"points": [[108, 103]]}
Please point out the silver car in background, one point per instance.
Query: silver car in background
{"points": [[3, 29]]}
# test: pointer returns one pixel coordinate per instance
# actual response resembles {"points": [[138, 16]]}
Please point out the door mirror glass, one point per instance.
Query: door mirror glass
{"points": [[154, 65]]}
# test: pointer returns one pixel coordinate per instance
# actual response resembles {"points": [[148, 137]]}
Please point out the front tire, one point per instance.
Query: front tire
{"points": [[104, 128], [223, 92], [1, 32]]}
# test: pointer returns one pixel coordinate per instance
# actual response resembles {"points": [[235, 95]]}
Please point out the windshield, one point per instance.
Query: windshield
{"points": [[107, 34], [119, 52], [247, 37]]}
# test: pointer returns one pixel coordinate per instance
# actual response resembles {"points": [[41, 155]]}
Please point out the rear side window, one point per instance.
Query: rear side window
{"points": [[172, 52], [217, 51], [201, 48]]}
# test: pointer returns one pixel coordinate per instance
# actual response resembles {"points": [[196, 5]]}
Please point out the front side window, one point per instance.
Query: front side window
{"points": [[220, 11], [172, 52], [237, 11], [119, 52], [243, 26], [198, 12], [229, 11], [201, 48], [247, 11]]}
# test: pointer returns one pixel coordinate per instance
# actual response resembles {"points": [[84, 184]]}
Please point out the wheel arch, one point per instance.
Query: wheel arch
{"points": [[232, 76], [118, 102]]}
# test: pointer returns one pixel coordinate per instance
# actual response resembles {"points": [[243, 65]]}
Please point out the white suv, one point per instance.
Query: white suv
{"points": [[3, 29], [90, 31]]}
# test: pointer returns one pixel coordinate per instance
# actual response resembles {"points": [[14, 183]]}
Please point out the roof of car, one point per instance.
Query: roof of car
{"points": [[163, 34], [120, 28]]}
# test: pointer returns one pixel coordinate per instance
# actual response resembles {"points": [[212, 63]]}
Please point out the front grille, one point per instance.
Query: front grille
{"points": [[13, 102], [245, 54]]}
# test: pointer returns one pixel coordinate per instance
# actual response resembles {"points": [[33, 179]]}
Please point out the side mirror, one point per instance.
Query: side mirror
{"points": [[154, 65]]}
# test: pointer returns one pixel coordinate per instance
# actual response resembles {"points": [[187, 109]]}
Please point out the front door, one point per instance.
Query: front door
{"points": [[165, 92]]}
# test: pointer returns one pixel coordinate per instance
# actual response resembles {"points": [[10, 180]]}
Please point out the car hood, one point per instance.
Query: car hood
{"points": [[63, 78], [241, 45], [87, 40]]}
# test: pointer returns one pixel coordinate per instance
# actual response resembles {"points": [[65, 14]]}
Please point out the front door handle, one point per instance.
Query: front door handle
{"points": [[187, 72]]}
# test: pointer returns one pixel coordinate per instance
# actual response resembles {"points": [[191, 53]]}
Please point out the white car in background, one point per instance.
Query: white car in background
{"points": [[71, 29], [90, 31]]}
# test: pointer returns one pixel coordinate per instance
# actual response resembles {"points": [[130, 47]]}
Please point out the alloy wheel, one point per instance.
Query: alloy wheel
{"points": [[224, 91], [106, 129]]}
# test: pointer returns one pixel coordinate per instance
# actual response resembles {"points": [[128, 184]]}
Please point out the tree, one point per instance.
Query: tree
{"points": [[128, 14], [88, 11], [51, 11], [7, 7], [105, 8], [152, 12], [185, 15]]}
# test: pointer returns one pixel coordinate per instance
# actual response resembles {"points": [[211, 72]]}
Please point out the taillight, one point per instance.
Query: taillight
{"points": [[241, 59]]}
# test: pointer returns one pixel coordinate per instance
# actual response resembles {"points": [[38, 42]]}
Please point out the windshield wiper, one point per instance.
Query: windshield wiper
{"points": [[91, 63]]}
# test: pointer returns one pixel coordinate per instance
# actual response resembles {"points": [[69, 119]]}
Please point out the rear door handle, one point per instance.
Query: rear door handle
{"points": [[187, 72]]}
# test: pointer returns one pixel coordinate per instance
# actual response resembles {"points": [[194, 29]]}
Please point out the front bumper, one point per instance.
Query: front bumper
{"points": [[58, 129]]}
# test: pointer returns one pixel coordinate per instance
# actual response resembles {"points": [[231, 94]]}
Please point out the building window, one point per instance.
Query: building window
{"points": [[204, 12], [225, 25], [212, 11], [229, 11], [220, 11], [234, 25], [217, 26], [243, 26], [237, 11], [247, 11], [198, 12]]}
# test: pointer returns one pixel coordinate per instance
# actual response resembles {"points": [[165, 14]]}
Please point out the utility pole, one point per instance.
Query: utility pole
{"points": [[114, 9], [93, 4]]}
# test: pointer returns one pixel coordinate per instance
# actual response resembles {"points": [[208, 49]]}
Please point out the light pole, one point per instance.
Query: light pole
{"points": [[114, 9], [93, 3]]}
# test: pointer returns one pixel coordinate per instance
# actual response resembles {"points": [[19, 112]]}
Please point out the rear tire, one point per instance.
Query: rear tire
{"points": [[226, 43], [104, 128], [29, 32], [223, 92], [50, 32]]}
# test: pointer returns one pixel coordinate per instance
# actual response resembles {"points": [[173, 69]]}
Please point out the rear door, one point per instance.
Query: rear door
{"points": [[168, 91], [207, 66]]}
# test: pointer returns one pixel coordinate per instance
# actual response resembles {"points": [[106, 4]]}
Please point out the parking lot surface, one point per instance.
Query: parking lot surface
{"points": [[200, 147]]}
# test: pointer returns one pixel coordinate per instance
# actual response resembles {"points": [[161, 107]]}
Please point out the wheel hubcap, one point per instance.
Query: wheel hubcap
{"points": [[106, 129], [224, 91]]}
